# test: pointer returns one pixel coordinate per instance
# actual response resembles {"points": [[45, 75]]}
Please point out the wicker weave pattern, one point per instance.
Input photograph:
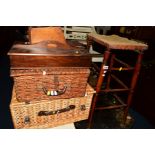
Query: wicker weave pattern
{"points": [[20, 110], [117, 42], [29, 83]]}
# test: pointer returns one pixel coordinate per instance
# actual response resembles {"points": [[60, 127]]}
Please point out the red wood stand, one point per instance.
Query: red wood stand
{"points": [[111, 43]]}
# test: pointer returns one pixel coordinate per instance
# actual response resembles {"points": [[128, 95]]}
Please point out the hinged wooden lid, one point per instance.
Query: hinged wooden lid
{"points": [[42, 49]]}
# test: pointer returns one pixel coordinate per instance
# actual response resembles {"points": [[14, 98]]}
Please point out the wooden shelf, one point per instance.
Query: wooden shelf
{"points": [[113, 90], [109, 107], [122, 69]]}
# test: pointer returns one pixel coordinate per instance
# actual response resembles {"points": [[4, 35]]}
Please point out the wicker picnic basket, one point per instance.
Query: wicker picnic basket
{"points": [[47, 114], [49, 83]]}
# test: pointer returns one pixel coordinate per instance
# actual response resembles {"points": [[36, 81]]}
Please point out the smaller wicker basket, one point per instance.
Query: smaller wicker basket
{"points": [[47, 114], [49, 83]]}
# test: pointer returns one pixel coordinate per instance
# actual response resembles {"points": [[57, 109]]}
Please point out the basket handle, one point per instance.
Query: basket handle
{"points": [[54, 92], [46, 113]]}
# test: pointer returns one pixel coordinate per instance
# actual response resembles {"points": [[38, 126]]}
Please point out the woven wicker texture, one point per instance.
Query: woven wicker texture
{"points": [[26, 115], [29, 83], [117, 42]]}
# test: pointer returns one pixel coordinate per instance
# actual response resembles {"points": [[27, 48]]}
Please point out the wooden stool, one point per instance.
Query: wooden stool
{"points": [[112, 43]]}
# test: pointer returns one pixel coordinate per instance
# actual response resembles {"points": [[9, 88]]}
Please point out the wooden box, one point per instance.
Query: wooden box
{"points": [[41, 55], [48, 48], [47, 70]]}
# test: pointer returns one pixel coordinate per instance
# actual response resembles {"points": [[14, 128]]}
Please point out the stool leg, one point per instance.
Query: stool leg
{"points": [[133, 84], [98, 87], [109, 74]]}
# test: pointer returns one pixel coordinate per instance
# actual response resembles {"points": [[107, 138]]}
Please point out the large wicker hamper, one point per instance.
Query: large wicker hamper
{"points": [[49, 83], [47, 114]]}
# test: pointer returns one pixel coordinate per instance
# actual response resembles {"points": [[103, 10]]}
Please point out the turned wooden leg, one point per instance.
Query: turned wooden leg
{"points": [[98, 87], [109, 71], [133, 84]]}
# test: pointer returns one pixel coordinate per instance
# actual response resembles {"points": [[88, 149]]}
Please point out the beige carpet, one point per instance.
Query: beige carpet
{"points": [[66, 126]]}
